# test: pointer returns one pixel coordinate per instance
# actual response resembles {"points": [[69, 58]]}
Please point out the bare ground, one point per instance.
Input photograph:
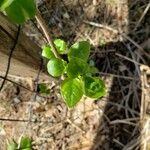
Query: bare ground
{"points": [[119, 34]]}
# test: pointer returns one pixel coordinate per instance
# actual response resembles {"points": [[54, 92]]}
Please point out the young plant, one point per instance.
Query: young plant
{"points": [[25, 144], [79, 75], [43, 89]]}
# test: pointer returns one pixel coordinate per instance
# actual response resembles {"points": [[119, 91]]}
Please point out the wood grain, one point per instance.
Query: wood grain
{"points": [[26, 57]]}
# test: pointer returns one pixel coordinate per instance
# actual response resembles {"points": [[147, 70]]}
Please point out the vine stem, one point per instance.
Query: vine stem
{"points": [[10, 56], [46, 32]]}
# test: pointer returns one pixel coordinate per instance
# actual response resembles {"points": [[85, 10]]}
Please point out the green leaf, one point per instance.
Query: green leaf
{"points": [[11, 145], [91, 63], [42, 88], [80, 50], [4, 4], [21, 10], [102, 42], [60, 45], [92, 70], [47, 52], [26, 143], [76, 67], [56, 67], [94, 87], [72, 91]]}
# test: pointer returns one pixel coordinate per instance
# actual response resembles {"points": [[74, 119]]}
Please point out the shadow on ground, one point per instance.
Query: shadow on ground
{"points": [[121, 121]]}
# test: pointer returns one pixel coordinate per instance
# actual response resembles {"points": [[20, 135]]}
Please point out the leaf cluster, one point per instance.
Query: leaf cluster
{"points": [[80, 76]]}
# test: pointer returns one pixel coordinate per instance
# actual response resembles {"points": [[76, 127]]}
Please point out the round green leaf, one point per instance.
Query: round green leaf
{"points": [[80, 50], [47, 52], [60, 45], [21, 10], [76, 67], [72, 91], [56, 67], [94, 87]]}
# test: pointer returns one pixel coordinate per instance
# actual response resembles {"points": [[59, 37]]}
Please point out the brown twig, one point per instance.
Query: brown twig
{"points": [[119, 76], [142, 16], [17, 84], [117, 32], [46, 33]]}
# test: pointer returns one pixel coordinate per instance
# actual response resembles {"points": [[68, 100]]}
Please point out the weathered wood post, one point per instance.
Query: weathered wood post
{"points": [[26, 57]]}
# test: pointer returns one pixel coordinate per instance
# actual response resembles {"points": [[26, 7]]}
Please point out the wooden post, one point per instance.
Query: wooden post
{"points": [[26, 57]]}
